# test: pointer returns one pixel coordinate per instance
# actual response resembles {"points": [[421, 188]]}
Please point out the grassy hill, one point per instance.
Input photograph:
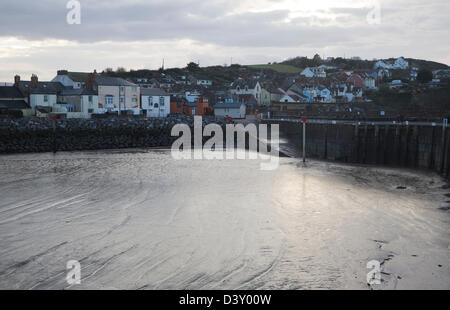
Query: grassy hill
{"points": [[281, 68]]}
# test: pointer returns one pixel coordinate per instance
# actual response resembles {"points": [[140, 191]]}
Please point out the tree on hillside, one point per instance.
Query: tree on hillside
{"points": [[109, 71], [424, 76], [317, 60], [192, 67]]}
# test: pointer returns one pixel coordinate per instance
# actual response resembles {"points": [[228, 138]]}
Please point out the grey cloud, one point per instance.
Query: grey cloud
{"points": [[205, 21]]}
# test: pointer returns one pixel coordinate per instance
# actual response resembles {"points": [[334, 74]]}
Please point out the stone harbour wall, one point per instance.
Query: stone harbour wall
{"points": [[46, 135]]}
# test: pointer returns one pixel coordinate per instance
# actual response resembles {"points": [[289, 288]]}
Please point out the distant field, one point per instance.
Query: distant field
{"points": [[278, 67]]}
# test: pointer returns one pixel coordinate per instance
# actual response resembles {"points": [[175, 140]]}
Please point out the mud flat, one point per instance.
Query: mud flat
{"points": [[137, 219]]}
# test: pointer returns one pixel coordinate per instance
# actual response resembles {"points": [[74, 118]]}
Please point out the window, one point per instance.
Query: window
{"points": [[109, 100], [150, 100], [122, 99], [90, 98], [134, 100], [90, 110], [134, 89], [161, 101], [45, 98], [122, 89]]}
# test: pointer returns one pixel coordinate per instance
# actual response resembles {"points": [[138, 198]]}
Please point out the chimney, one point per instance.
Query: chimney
{"points": [[16, 80], [90, 83], [34, 81], [62, 72]]}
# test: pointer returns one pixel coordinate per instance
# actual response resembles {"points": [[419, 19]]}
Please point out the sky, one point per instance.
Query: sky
{"points": [[36, 38]]}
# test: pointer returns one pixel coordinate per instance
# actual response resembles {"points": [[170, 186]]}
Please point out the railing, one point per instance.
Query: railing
{"points": [[443, 124]]}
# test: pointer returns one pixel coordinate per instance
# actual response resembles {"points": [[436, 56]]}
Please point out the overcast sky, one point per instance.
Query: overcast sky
{"points": [[36, 38]]}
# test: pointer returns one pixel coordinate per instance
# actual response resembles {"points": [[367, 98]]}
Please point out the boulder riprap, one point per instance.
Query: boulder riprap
{"points": [[45, 135]]}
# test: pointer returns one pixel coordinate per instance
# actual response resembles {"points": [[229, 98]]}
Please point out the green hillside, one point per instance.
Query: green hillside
{"points": [[281, 68]]}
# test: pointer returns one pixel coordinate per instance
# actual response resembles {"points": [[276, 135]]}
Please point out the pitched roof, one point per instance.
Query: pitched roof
{"points": [[274, 91], [42, 87], [223, 105], [13, 104], [77, 92], [78, 76], [153, 92], [112, 81], [10, 92]]}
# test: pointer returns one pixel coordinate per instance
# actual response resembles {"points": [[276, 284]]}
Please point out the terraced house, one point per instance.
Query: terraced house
{"points": [[117, 95]]}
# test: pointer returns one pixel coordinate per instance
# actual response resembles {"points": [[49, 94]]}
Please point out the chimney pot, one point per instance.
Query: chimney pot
{"points": [[16, 80], [34, 81]]}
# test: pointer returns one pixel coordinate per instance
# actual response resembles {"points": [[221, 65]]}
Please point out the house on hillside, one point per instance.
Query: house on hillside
{"points": [[357, 81], [380, 64], [200, 81], [270, 94], [233, 110], [323, 95], [307, 73], [203, 106], [291, 97], [247, 87], [177, 105], [413, 73], [441, 74], [342, 92], [192, 96], [400, 64], [317, 72]]}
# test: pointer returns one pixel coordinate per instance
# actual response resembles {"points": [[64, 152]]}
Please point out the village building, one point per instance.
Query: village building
{"points": [[41, 96], [247, 87], [270, 94], [117, 95], [78, 103], [155, 102], [12, 100], [233, 110]]}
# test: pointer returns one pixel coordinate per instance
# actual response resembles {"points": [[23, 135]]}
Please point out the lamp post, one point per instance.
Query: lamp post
{"points": [[304, 120]]}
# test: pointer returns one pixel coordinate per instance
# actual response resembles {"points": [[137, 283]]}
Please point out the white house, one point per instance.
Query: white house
{"points": [[77, 103], [41, 96], [401, 63], [323, 94], [192, 96], [291, 97], [155, 102], [307, 73], [233, 110], [74, 80], [204, 82], [381, 65], [318, 72], [413, 73]]}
